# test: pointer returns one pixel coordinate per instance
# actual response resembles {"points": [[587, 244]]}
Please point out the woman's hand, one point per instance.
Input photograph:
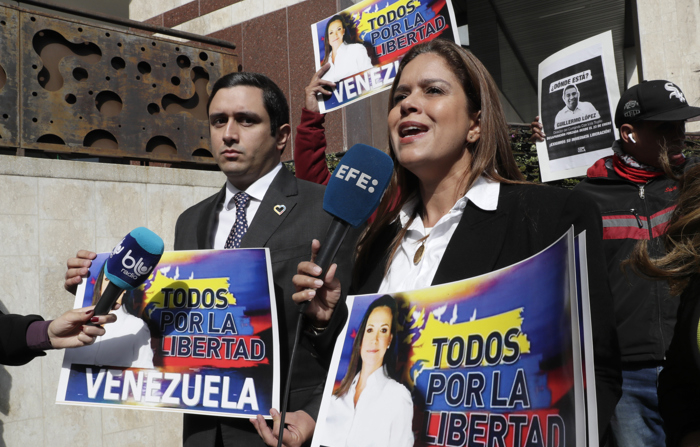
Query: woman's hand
{"points": [[299, 427], [321, 295], [537, 130], [77, 268], [316, 86], [69, 330]]}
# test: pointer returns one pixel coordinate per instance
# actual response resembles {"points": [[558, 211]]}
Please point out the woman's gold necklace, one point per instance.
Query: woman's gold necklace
{"points": [[419, 253]]}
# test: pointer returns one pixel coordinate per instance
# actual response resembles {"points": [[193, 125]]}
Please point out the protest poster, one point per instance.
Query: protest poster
{"points": [[365, 44], [199, 336], [492, 360], [577, 94]]}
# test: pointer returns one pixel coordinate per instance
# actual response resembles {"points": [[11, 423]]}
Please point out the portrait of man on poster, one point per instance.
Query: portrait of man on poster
{"points": [[575, 111]]}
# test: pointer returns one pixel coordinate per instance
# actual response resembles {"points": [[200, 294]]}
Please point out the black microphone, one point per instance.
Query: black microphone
{"points": [[129, 265], [353, 193]]}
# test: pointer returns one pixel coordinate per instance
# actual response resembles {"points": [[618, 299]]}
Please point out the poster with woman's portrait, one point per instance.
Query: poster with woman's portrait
{"points": [[494, 360], [365, 43], [199, 336], [578, 93]]}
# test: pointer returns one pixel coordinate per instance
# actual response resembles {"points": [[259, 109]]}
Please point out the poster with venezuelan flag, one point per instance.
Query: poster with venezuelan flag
{"points": [[365, 43], [199, 336], [494, 360]]}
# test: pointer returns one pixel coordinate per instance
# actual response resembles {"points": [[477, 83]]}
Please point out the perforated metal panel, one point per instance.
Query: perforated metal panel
{"points": [[88, 89], [9, 78]]}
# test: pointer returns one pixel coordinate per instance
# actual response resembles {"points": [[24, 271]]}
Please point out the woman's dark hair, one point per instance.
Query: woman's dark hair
{"points": [[682, 236], [389, 362], [349, 37], [273, 98], [491, 153]]}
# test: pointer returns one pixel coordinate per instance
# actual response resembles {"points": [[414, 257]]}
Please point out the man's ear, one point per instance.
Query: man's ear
{"points": [[475, 129], [284, 133], [626, 130]]}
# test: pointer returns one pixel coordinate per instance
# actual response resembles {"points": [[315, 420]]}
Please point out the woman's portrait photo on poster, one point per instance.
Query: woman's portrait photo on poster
{"points": [[370, 407], [343, 48]]}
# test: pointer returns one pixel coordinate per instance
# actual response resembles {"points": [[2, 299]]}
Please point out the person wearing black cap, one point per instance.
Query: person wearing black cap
{"points": [[636, 200]]}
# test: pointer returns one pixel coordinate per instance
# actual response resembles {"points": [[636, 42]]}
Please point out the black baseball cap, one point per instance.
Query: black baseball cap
{"points": [[654, 101]]}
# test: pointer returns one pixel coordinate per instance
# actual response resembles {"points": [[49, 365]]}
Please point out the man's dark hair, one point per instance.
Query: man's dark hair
{"points": [[274, 100]]}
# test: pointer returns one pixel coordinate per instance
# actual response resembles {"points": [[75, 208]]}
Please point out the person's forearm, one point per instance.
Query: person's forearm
{"points": [[310, 149], [14, 349], [38, 336]]}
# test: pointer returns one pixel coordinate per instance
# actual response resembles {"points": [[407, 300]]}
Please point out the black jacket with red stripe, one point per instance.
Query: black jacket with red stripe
{"points": [[645, 312]]}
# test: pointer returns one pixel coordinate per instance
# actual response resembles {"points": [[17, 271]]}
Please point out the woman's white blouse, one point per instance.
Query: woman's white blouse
{"points": [[382, 417], [403, 275]]}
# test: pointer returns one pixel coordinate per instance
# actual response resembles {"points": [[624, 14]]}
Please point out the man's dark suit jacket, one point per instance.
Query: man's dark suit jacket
{"points": [[528, 219], [13, 339], [288, 236]]}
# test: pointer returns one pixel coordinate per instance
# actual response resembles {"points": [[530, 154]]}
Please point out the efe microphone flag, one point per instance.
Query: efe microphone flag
{"points": [[353, 193], [357, 184]]}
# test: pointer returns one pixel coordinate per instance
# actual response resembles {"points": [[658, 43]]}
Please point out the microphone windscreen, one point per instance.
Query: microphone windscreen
{"points": [[357, 184], [134, 258]]}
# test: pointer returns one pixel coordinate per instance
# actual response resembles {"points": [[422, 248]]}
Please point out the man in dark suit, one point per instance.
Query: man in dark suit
{"points": [[262, 204], [249, 127]]}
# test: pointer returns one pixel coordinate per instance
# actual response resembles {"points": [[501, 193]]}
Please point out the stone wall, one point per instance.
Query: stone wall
{"points": [[669, 34], [48, 210]]}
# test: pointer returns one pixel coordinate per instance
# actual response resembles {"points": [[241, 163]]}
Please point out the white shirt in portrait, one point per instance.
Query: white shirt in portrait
{"points": [[383, 415], [351, 59]]}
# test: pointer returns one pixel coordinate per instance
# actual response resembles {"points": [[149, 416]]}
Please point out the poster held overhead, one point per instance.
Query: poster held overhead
{"points": [[577, 95], [364, 44]]}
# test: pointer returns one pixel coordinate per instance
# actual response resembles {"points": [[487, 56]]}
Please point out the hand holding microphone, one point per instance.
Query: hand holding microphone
{"points": [[353, 193], [128, 266]]}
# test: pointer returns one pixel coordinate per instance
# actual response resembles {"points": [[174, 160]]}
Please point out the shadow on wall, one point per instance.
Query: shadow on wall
{"points": [[5, 387]]}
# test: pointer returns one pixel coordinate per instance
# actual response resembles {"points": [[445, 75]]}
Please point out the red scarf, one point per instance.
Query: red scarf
{"points": [[635, 175]]}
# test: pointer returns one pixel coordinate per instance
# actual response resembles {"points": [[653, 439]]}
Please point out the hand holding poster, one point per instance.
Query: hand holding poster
{"points": [[493, 360], [365, 43], [577, 93], [199, 336]]}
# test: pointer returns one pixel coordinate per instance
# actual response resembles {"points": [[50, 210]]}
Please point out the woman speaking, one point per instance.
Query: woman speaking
{"points": [[458, 207], [370, 408]]}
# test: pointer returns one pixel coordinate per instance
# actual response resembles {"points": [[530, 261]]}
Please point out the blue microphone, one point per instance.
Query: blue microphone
{"points": [[353, 193], [129, 265]]}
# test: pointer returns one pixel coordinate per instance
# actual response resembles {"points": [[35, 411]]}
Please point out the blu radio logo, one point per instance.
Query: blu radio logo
{"points": [[133, 268], [118, 249], [364, 181]]}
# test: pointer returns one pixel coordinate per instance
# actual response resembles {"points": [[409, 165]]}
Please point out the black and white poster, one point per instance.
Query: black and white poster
{"points": [[578, 93]]}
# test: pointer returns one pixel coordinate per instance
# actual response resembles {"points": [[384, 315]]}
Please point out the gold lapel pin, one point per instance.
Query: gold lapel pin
{"points": [[279, 209]]}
